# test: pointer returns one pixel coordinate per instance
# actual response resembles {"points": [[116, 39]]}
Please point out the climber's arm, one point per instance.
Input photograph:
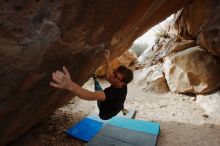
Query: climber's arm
{"points": [[62, 80]]}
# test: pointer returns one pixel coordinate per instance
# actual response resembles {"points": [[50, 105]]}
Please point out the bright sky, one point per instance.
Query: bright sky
{"points": [[149, 36]]}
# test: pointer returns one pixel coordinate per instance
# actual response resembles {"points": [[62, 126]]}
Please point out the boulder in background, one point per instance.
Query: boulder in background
{"points": [[193, 70]]}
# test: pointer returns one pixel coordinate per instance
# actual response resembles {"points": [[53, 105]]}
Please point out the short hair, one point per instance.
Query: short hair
{"points": [[126, 73]]}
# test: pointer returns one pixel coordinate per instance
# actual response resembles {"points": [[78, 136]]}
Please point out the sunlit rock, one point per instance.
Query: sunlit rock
{"points": [[193, 70], [200, 20], [126, 59], [174, 45], [151, 79]]}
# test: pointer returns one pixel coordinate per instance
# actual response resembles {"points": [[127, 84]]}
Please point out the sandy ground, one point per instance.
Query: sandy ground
{"points": [[183, 122]]}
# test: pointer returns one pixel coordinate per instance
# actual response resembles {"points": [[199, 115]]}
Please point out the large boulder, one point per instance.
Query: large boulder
{"points": [[200, 20], [38, 37], [151, 79], [172, 46], [193, 70], [165, 46]]}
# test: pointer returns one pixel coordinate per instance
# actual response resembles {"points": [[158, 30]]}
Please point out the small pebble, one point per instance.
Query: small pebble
{"points": [[205, 115]]}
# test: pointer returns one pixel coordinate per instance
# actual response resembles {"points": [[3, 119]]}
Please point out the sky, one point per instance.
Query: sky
{"points": [[149, 36]]}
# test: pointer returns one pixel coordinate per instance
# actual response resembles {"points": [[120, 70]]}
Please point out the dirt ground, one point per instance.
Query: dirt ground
{"points": [[183, 122]]}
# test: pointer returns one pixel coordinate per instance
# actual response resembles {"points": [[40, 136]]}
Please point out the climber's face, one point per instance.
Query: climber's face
{"points": [[117, 79]]}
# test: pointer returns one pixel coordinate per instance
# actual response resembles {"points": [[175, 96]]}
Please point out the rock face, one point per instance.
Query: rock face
{"points": [[151, 79], [164, 47], [200, 20], [192, 71], [38, 37], [172, 46], [126, 59]]}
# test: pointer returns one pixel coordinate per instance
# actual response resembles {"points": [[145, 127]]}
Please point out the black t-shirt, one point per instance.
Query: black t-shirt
{"points": [[114, 102]]}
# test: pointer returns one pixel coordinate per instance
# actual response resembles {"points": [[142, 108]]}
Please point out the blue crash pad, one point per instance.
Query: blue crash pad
{"points": [[91, 125], [85, 130], [137, 125], [127, 132], [116, 131], [117, 136]]}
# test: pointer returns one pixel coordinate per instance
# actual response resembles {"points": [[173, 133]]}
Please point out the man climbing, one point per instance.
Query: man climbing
{"points": [[110, 100]]}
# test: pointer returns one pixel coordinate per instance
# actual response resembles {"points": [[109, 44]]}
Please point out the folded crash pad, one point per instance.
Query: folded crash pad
{"points": [[127, 132], [85, 130]]}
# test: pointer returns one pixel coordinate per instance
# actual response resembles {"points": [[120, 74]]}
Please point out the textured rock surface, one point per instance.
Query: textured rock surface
{"points": [[200, 21], [165, 46], [38, 37], [192, 71], [172, 46], [126, 59], [152, 79]]}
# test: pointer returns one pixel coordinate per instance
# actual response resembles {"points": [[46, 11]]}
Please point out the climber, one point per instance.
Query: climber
{"points": [[110, 100]]}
